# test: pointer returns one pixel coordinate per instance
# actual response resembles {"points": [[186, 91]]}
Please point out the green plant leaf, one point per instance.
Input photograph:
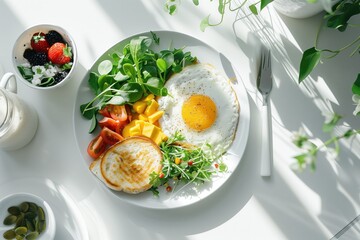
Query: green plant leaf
{"points": [[129, 70], [105, 67], [86, 114], [161, 64], [120, 77], [204, 23], [310, 59], [221, 7], [344, 10], [356, 86], [253, 9], [93, 82], [156, 86], [155, 37], [264, 3], [329, 127], [169, 59], [93, 124], [196, 2]]}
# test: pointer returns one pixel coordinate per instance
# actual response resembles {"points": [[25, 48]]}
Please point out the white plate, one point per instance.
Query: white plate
{"points": [[70, 224], [191, 193]]}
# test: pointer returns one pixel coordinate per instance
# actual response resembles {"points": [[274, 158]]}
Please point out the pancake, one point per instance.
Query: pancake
{"points": [[127, 165]]}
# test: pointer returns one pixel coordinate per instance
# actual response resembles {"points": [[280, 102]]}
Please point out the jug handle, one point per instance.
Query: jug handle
{"points": [[8, 81]]}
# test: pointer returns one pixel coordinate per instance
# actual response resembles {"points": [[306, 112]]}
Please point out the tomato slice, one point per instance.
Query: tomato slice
{"points": [[105, 111], [110, 137], [96, 147], [118, 112], [110, 123]]}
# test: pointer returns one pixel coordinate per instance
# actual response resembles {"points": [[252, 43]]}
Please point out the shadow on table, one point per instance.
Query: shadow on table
{"points": [[7, 32], [317, 97]]}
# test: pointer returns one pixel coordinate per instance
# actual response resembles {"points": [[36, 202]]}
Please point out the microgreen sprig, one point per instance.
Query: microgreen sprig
{"points": [[185, 163]]}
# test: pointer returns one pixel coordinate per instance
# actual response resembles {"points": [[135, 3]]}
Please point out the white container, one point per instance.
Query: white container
{"points": [[23, 42], [299, 8], [16, 199], [18, 120]]}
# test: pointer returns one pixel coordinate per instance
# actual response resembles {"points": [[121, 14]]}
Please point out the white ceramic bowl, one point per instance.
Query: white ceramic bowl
{"points": [[15, 200], [23, 42]]}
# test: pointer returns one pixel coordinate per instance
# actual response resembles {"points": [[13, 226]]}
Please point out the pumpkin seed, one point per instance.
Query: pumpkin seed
{"points": [[30, 215], [29, 219], [19, 237], [20, 221], [41, 213], [21, 230], [40, 226], [32, 236], [32, 207], [24, 207], [9, 220], [14, 210], [30, 225], [9, 234]]}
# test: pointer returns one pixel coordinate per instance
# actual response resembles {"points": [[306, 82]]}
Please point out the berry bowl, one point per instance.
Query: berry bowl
{"points": [[44, 56], [26, 216]]}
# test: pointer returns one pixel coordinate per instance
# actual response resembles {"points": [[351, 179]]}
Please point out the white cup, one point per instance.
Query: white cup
{"points": [[18, 120]]}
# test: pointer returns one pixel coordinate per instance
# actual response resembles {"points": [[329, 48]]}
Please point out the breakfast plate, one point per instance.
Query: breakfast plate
{"points": [[190, 193]]}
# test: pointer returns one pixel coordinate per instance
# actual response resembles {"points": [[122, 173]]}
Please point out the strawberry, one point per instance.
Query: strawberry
{"points": [[39, 43], [59, 53]]}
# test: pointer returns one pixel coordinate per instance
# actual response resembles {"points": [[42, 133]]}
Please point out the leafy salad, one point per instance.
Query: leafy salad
{"points": [[133, 73]]}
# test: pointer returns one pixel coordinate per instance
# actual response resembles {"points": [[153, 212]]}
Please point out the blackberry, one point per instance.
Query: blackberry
{"points": [[38, 59], [53, 37], [60, 76], [29, 53]]}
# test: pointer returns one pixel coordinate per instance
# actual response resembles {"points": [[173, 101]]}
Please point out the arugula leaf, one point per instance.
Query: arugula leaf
{"points": [[310, 59]]}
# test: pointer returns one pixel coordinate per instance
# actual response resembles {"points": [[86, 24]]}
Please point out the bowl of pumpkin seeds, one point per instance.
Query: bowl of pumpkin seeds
{"points": [[26, 216]]}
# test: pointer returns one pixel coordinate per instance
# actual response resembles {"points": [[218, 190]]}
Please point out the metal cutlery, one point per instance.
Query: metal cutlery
{"points": [[264, 86]]}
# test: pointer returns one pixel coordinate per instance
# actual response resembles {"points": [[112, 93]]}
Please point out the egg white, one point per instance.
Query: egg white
{"points": [[201, 79]]}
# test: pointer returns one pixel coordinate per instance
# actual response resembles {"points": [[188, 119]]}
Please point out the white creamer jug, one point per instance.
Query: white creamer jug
{"points": [[18, 120]]}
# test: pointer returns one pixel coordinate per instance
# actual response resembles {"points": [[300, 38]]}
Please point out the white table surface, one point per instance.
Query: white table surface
{"points": [[289, 205]]}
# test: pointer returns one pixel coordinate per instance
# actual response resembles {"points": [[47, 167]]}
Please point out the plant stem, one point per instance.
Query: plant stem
{"points": [[334, 140], [336, 52]]}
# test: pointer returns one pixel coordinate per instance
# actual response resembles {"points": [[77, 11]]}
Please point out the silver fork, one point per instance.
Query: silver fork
{"points": [[264, 85]]}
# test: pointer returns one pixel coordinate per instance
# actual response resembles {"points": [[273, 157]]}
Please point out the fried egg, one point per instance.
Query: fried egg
{"points": [[202, 106]]}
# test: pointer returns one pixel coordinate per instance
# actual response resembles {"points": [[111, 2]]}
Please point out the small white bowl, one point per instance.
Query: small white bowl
{"points": [[23, 42], [15, 200]]}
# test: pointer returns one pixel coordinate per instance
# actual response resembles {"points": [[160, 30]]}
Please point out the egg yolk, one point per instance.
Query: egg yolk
{"points": [[199, 112]]}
